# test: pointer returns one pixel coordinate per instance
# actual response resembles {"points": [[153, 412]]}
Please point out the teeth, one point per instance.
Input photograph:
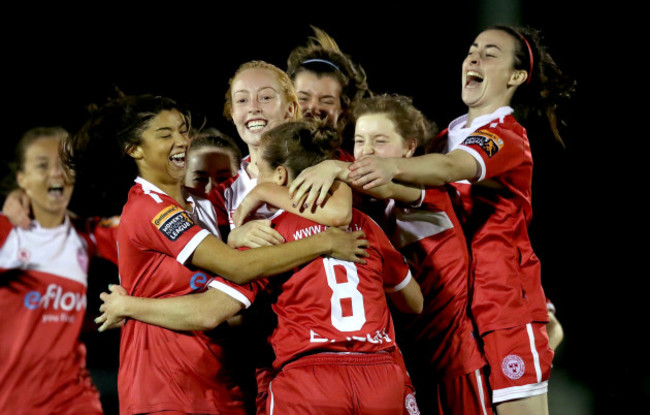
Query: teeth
{"points": [[256, 125], [55, 189], [474, 74], [178, 157]]}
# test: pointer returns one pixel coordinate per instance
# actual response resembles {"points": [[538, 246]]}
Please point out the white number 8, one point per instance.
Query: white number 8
{"points": [[343, 290]]}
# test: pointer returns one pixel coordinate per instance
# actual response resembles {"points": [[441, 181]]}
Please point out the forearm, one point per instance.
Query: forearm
{"points": [[398, 191], [243, 267], [436, 169], [336, 211], [202, 311], [429, 169]]}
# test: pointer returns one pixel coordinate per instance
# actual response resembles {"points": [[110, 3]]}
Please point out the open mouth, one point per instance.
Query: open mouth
{"points": [[178, 159], [473, 79], [55, 191], [256, 125]]}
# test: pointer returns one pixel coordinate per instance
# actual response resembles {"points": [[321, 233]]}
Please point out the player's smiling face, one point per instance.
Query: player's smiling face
{"points": [[376, 134], [319, 96], [258, 104], [43, 177], [489, 77], [161, 155]]}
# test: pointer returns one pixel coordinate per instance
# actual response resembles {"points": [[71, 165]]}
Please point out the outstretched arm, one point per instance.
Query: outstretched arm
{"points": [[335, 209], [201, 311], [314, 183], [427, 170], [242, 267]]}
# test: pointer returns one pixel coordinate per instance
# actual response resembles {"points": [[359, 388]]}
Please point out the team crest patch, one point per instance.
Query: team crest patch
{"points": [[24, 255], [513, 366], [489, 142], [172, 221], [411, 405]]}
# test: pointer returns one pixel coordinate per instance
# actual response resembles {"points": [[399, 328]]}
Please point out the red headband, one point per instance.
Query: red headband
{"points": [[530, 55]]}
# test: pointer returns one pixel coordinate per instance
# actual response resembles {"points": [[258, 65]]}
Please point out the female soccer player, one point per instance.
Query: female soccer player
{"points": [[213, 158], [260, 97], [168, 243], [327, 81], [334, 336], [44, 277], [487, 156], [441, 353]]}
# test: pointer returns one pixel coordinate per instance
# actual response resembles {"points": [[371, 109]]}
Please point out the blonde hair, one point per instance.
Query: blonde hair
{"points": [[286, 86]]}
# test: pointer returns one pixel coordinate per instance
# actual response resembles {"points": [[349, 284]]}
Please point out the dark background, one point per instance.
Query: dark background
{"points": [[55, 62]]}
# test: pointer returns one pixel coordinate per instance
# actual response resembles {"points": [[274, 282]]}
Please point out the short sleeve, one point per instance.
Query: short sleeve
{"points": [[165, 227], [496, 150], [245, 294], [9, 249]]}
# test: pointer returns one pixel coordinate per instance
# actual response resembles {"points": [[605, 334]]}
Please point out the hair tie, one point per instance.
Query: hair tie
{"points": [[321, 61], [530, 55]]}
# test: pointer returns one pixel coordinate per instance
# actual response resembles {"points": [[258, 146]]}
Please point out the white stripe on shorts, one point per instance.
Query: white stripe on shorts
{"points": [[271, 398], [533, 350], [481, 393]]}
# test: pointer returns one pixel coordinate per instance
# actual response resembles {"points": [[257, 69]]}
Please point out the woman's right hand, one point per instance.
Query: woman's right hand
{"points": [[17, 208], [314, 182], [346, 245], [254, 234]]}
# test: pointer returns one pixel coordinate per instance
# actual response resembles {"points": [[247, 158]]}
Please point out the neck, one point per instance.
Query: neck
{"points": [[497, 102], [48, 219], [174, 189], [474, 113], [252, 166]]}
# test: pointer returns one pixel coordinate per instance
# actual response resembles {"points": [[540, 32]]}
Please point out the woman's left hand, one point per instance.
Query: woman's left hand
{"points": [[112, 308]]}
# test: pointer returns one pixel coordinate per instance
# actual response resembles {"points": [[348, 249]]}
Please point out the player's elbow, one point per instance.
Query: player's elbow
{"points": [[208, 321], [341, 219]]}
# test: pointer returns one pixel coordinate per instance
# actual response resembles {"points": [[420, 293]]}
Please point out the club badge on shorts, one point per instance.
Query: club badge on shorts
{"points": [[411, 405], [513, 366]]}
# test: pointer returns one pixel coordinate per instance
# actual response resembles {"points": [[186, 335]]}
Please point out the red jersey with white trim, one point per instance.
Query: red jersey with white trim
{"points": [[506, 272], [227, 196], [329, 305], [163, 369], [430, 237], [43, 283]]}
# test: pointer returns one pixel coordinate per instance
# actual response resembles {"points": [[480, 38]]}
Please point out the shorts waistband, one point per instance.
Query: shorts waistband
{"points": [[333, 358]]}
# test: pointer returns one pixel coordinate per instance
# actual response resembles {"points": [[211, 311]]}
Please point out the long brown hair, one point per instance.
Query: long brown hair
{"points": [[547, 86]]}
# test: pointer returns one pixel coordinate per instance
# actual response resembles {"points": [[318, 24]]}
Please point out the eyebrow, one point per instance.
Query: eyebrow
{"points": [[487, 46], [182, 124]]}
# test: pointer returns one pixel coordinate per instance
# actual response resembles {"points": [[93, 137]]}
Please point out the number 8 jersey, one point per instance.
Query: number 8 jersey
{"points": [[329, 305]]}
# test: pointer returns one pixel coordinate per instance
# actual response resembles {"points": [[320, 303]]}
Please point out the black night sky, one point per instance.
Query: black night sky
{"points": [[55, 62]]}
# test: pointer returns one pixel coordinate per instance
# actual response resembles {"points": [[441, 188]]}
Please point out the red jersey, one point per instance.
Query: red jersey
{"points": [[329, 305], [43, 282], [162, 369], [430, 237], [505, 270]]}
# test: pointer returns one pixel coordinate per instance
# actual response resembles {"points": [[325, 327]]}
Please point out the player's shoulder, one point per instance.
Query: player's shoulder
{"points": [[505, 127]]}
